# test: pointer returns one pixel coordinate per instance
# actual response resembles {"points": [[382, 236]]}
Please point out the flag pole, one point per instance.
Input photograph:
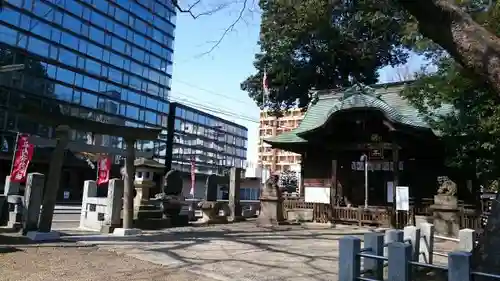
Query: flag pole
{"points": [[14, 154]]}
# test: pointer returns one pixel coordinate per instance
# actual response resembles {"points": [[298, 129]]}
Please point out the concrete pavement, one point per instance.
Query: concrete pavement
{"points": [[237, 251]]}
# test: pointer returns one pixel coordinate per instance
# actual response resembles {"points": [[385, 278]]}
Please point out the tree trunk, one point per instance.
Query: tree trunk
{"points": [[478, 50], [455, 31]]}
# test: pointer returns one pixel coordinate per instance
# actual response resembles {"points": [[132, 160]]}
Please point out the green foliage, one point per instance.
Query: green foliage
{"points": [[322, 44], [472, 130]]}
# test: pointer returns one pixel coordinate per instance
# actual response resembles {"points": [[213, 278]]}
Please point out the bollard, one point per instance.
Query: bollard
{"points": [[399, 262], [466, 240], [459, 266], [393, 235], [412, 233], [374, 241], [426, 242], [349, 260]]}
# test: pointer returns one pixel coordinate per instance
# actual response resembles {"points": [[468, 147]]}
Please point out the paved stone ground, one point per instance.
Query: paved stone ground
{"points": [[217, 253], [21, 260], [239, 251]]}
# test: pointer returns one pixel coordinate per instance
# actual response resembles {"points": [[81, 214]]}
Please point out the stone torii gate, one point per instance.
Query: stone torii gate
{"points": [[64, 123]]}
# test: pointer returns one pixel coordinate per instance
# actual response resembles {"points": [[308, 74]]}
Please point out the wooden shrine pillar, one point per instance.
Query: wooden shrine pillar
{"points": [[395, 161], [333, 191]]}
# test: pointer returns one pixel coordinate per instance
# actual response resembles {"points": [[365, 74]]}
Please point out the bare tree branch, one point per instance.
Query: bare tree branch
{"points": [[189, 9], [227, 30]]}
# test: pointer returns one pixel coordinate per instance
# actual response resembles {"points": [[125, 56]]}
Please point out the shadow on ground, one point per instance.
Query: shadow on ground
{"points": [[238, 251]]}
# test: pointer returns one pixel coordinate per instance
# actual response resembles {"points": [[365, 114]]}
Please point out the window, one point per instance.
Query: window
{"points": [[72, 23], [65, 75], [64, 93], [69, 40], [93, 67], [132, 112], [98, 19], [97, 35], [94, 51], [67, 57], [89, 100]]}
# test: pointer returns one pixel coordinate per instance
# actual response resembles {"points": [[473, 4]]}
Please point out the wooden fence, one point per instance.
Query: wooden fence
{"points": [[379, 215]]}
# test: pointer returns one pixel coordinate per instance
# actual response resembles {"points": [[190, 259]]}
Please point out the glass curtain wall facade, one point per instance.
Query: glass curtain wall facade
{"points": [[110, 61], [214, 143]]}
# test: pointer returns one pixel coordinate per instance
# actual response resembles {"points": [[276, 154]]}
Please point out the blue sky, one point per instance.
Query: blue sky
{"points": [[212, 81]]}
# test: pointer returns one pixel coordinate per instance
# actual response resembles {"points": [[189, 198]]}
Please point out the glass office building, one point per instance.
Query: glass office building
{"points": [[106, 60], [214, 144]]}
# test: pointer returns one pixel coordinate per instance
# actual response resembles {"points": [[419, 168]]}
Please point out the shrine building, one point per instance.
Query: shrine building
{"points": [[342, 129]]}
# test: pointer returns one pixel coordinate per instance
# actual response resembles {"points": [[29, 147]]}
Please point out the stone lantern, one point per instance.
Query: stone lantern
{"points": [[145, 170]]}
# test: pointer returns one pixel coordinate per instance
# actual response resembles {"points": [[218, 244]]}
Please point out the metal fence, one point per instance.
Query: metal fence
{"points": [[400, 252]]}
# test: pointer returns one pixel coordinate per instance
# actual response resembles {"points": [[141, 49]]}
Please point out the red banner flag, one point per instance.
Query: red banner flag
{"points": [[22, 158], [193, 176], [103, 170]]}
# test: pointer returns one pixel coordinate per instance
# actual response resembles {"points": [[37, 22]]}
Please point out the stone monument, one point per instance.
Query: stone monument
{"points": [[114, 204], [145, 169], [210, 208], [234, 195], [33, 195], [211, 185], [172, 200], [271, 204], [446, 217]]}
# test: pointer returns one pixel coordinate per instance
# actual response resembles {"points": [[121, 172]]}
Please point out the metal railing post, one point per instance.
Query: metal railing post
{"points": [[459, 266], [374, 267], [399, 262], [349, 260]]}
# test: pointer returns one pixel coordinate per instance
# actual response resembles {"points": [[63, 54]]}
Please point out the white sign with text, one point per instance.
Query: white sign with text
{"points": [[317, 194], [402, 198]]}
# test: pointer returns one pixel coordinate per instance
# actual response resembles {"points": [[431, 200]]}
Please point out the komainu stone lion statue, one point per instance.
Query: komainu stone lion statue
{"points": [[446, 186]]}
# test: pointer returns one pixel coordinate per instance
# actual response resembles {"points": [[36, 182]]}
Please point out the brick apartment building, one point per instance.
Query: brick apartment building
{"points": [[276, 160]]}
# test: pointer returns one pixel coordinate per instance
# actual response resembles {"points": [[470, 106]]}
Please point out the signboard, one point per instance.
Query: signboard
{"points": [[376, 165], [390, 186], [317, 194], [402, 198], [376, 154], [22, 158], [317, 191]]}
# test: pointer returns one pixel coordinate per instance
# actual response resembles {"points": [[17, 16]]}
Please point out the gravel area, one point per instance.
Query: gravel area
{"points": [[67, 262]]}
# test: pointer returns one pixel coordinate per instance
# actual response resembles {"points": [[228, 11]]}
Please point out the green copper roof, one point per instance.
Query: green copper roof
{"points": [[386, 99]]}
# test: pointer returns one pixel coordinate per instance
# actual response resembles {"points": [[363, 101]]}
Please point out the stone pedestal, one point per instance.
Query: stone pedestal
{"points": [[147, 213], [15, 211], [271, 212], [143, 206], [210, 212], [446, 215], [271, 204]]}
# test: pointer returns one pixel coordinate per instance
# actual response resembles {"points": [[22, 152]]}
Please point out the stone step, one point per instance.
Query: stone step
{"points": [[149, 207]]}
